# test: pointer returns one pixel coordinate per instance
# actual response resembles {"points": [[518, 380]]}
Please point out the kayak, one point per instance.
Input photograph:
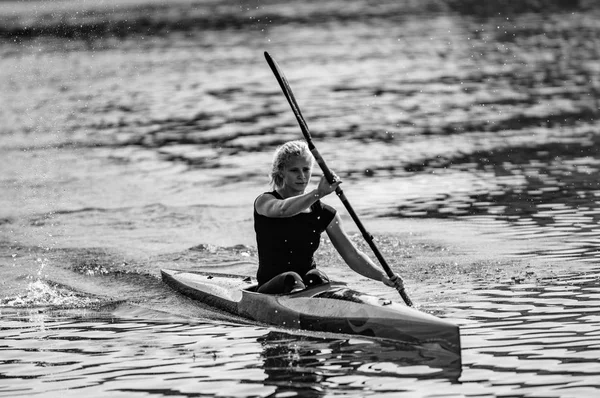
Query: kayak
{"points": [[331, 307]]}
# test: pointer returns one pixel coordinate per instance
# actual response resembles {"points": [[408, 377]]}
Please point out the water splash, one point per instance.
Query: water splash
{"points": [[41, 294]]}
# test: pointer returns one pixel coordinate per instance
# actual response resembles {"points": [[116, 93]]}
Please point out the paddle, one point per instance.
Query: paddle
{"points": [[287, 91]]}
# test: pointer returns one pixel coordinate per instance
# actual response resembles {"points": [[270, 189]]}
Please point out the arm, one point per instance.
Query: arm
{"points": [[356, 259], [270, 206]]}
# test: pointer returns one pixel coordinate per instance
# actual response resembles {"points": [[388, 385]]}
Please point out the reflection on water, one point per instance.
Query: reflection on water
{"points": [[311, 367]]}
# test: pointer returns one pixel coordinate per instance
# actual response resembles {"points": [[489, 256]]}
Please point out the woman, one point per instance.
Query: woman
{"points": [[289, 221]]}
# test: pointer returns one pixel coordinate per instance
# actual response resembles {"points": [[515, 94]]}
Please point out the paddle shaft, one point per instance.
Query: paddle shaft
{"points": [[287, 91]]}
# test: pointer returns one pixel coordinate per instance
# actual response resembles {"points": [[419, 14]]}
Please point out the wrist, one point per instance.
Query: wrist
{"points": [[317, 194]]}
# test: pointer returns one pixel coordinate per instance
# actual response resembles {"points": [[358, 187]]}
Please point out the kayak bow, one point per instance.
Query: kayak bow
{"points": [[332, 307]]}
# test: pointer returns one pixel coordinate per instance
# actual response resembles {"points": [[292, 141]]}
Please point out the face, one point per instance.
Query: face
{"points": [[297, 173]]}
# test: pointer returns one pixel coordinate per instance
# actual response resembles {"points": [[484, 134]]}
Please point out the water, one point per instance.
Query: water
{"points": [[136, 135]]}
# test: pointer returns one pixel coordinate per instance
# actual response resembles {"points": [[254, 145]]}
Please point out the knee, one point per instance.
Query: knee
{"points": [[292, 281], [315, 277]]}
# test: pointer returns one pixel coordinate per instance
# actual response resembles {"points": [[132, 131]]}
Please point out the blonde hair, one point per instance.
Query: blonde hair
{"points": [[283, 154]]}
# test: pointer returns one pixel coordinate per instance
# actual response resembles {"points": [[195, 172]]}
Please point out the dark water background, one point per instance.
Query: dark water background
{"points": [[135, 135]]}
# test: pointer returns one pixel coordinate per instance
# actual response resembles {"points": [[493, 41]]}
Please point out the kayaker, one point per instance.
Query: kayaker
{"points": [[289, 221]]}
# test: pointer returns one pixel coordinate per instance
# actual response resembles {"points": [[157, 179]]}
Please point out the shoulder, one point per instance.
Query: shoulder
{"points": [[335, 222], [328, 209], [265, 196], [326, 214], [263, 200], [324, 210]]}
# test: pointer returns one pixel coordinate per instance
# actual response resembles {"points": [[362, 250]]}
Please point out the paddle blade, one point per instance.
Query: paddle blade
{"points": [[287, 91]]}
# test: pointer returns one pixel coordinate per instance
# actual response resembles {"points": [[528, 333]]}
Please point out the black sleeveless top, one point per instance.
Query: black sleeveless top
{"points": [[288, 244]]}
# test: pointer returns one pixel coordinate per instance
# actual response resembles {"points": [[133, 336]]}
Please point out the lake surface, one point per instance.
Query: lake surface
{"points": [[136, 135]]}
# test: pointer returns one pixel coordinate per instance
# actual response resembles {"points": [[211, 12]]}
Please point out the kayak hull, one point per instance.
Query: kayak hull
{"points": [[332, 308]]}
